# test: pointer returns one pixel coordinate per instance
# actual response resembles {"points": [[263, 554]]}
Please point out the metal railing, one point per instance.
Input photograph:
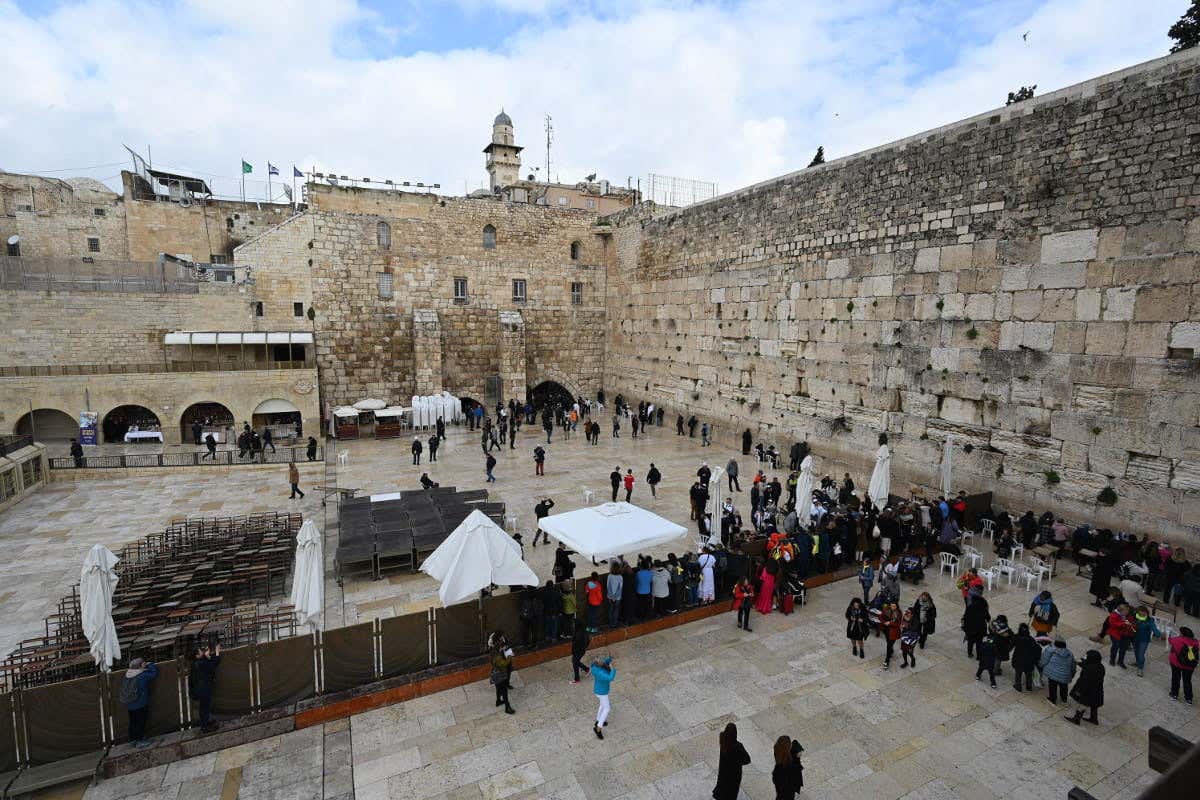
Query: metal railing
{"points": [[192, 458], [77, 275], [11, 444], [55, 370]]}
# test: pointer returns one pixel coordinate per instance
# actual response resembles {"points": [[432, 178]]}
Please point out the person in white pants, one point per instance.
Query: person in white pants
{"points": [[603, 674]]}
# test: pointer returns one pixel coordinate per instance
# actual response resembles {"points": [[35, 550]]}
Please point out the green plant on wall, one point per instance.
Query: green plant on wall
{"points": [[1107, 496], [1052, 477]]}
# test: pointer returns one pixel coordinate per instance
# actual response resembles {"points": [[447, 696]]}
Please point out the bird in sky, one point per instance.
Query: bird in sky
{"points": [[1025, 36]]}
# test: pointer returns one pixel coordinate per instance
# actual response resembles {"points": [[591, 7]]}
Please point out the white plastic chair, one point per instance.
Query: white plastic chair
{"points": [[987, 528], [964, 536], [343, 458], [989, 575], [589, 496], [1166, 627], [973, 557], [948, 561], [1017, 551], [1006, 566], [1030, 576], [510, 523], [1041, 568]]}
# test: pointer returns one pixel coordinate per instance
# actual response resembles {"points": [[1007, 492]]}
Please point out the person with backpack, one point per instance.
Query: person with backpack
{"points": [[1025, 655], [858, 626], [579, 646], [595, 598], [653, 478], [1002, 636], [434, 443], [200, 683], [788, 775], [985, 652], [501, 675], [603, 674], [1043, 613], [1145, 629], [1057, 664], [1183, 659], [1120, 632], [134, 694], [1088, 690]]}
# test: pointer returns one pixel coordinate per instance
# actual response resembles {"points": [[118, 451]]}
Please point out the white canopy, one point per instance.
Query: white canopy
{"points": [[237, 337], [370, 404], [611, 529], [97, 582], [804, 484], [477, 554], [946, 458], [308, 575], [345, 411], [392, 411], [881, 477]]}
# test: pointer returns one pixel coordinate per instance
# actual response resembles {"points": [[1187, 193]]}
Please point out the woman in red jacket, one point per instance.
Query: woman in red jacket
{"points": [[890, 625], [1184, 649], [743, 600], [1120, 631]]}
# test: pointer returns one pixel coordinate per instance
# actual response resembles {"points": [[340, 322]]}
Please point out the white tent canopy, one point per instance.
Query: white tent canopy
{"points": [[370, 404], [611, 529], [308, 575], [477, 554], [947, 450], [881, 477], [97, 582]]}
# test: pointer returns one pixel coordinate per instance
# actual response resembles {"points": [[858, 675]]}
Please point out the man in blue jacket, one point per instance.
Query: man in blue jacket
{"points": [[135, 694], [603, 674]]}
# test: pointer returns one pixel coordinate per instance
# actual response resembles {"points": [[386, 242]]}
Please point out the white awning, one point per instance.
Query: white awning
{"points": [[275, 406], [345, 411], [238, 337], [391, 411], [611, 529]]}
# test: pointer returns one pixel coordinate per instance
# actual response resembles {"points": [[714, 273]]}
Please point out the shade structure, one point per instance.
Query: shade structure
{"points": [[97, 582], [370, 404], [947, 449], [804, 484], [611, 529], [881, 477], [308, 575], [477, 554]]}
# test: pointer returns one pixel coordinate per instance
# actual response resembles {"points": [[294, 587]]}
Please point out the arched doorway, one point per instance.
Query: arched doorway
{"points": [[550, 394], [124, 419], [281, 416], [48, 425], [211, 417], [469, 404]]}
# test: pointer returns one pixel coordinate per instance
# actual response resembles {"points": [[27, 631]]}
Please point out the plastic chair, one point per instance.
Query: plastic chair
{"points": [[974, 557], [989, 575], [510, 523], [1017, 551], [343, 458], [1006, 566], [1030, 576], [1041, 568], [589, 496], [987, 528], [948, 561], [1166, 627], [964, 536]]}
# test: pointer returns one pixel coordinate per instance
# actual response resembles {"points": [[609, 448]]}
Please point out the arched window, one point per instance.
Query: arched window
{"points": [[383, 236], [576, 247], [489, 237]]}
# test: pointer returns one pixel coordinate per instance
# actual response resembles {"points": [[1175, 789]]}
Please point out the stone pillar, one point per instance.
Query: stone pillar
{"points": [[427, 352], [512, 356]]}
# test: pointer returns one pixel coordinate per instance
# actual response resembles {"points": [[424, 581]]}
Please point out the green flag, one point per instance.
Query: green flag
{"points": [[246, 168]]}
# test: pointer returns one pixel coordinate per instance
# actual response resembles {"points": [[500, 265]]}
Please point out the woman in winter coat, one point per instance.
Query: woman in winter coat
{"points": [[1120, 630], [891, 623], [1058, 667], [925, 613], [858, 626], [866, 577], [975, 622], [729, 769], [1002, 636], [1088, 690], [1025, 655], [1043, 613], [1102, 573], [788, 775]]}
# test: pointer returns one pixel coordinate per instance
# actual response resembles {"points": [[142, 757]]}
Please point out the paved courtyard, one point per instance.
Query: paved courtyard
{"points": [[923, 734]]}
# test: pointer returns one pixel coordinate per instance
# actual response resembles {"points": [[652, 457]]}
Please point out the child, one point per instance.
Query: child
{"points": [[1003, 636], [985, 650], [908, 639]]}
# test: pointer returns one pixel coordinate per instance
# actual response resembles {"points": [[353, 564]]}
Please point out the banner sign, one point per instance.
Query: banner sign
{"points": [[88, 424]]}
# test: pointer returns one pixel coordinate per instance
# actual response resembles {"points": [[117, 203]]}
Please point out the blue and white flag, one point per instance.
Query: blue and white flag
{"points": [[296, 173], [271, 169]]}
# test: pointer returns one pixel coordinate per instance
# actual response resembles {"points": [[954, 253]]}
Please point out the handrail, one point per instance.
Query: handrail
{"points": [[11, 444], [59, 370], [189, 458]]}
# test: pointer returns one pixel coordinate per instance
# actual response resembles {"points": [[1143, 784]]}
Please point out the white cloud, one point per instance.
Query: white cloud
{"points": [[720, 92]]}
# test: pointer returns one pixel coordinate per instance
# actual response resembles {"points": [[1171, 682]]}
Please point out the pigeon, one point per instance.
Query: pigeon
{"points": [[1025, 36]]}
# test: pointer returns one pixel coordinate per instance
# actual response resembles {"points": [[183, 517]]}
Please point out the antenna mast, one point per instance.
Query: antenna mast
{"points": [[549, 138]]}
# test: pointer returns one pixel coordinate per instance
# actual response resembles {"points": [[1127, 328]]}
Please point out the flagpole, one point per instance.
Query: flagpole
{"points": [[242, 167], [269, 195]]}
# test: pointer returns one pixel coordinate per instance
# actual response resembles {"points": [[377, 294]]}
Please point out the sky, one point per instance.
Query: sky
{"points": [[722, 91]]}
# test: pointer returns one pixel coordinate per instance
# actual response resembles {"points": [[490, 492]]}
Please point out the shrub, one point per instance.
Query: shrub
{"points": [[972, 333], [1107, 497], [1052, 477]]}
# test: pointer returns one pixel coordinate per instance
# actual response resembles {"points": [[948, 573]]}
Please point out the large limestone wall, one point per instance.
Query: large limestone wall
{"points": [[1024, 281]]}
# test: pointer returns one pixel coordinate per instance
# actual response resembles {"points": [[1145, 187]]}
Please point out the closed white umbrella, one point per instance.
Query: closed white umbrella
{"points": [[477, 554], [804, 484], [308, 575], [97, 582], [946, 457], [370, 404], [881, 477]]}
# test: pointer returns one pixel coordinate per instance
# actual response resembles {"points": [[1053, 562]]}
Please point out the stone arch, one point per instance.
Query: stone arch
{"points": [[47, 425], [570, 384], [116, 421], [210, 413]]}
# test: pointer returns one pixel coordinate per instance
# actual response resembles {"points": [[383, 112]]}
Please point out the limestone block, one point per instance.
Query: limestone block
{"points": [[1027, 305], [1181, 441], [1105, 338], [1147, 339], [1081, 486], [1058, 305], [1087, 305], [1010, 335], [1131, 403], [1026, 390], [944, 358], [952, 305], [883, 263], [1075, 455], [983, 253], [1038, 335], [1129, 434], [1152, 238], [988, 280], [1186, 475], [1094, 399], [1176, 408], [1068, 246], [1029, 446], [1018, 251], [1186, 334], [962, 411], [1148, 469], [1071, 426], [928, 259], [947, 282], [1162, 304], [980, 306], [1070, 337], [837, 268], [1015, 278], [717, 296], [1064, 275], [956, 257], [1191, 241], [1112, 242]]}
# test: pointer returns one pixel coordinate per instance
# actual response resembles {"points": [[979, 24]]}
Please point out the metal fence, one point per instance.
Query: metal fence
{"points": [[193, 458], [76, 275], [11, 444], [57, 370]]}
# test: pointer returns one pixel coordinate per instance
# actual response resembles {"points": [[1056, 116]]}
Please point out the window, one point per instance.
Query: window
{"points": [[576, 294], [218, 258], [383, 236], [385, 285], [14, 248], [99, 212], [258, 309], [591, 203], [489, 237], [460, 290], [562, 200], [575, 249], [93, 244], [518, 290], [297, 309]]}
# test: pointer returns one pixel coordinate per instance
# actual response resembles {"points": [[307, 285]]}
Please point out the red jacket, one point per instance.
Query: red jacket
{"points": [[1119, 627], [628, 482], [891, 628], [1177, 644]]}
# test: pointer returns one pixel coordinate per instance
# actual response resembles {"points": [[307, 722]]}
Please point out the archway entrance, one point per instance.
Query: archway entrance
{"points": [[48, 425], [280, 416], [210, 417], [549, 394], [123, 420], [469, 404]]}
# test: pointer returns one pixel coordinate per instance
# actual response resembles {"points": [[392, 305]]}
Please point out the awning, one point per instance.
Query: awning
{"points": [[611, 529], [238, 337], [345, 411], [392, 411], [275, 407]]}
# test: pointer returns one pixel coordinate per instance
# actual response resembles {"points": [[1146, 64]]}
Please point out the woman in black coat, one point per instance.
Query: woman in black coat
{"points": [[925, 613], [1088, 690], [975, 622], [1025, 655], [788, 775], [1102, 573], [729, 770]]}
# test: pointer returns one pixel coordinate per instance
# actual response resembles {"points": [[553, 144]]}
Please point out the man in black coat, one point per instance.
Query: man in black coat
{"points": [[541, 511], [201, 680], [614, 478], [77, 453], [747, 440]]}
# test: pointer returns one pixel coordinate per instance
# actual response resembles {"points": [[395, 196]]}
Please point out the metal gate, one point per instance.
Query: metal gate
{"points": [[491, 391]]}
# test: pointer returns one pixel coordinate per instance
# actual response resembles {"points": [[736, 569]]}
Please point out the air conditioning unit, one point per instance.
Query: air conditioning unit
{"points": [[603, 187]]}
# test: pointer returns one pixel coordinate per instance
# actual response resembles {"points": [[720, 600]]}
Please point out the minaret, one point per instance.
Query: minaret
{"points": [[503, 160]]}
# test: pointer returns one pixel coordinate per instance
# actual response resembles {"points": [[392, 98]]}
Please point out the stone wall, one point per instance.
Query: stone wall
{"points": [[55, 218], [1024, 281]]}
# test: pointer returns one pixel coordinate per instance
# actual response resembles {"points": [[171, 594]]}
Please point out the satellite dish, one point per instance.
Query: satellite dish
{"points": [[14, 239]]}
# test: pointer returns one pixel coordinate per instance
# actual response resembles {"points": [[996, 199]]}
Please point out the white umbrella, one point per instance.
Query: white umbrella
{"points": [[715, 482], [308, 575], [370, 404], [97, 582], [804, 485], [477, 554], [881, 477], [946, 456]]}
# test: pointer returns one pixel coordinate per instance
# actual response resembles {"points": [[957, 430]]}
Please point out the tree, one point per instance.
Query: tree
{"points": [[1186, 32], [819, 158], [1024, 93]]}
